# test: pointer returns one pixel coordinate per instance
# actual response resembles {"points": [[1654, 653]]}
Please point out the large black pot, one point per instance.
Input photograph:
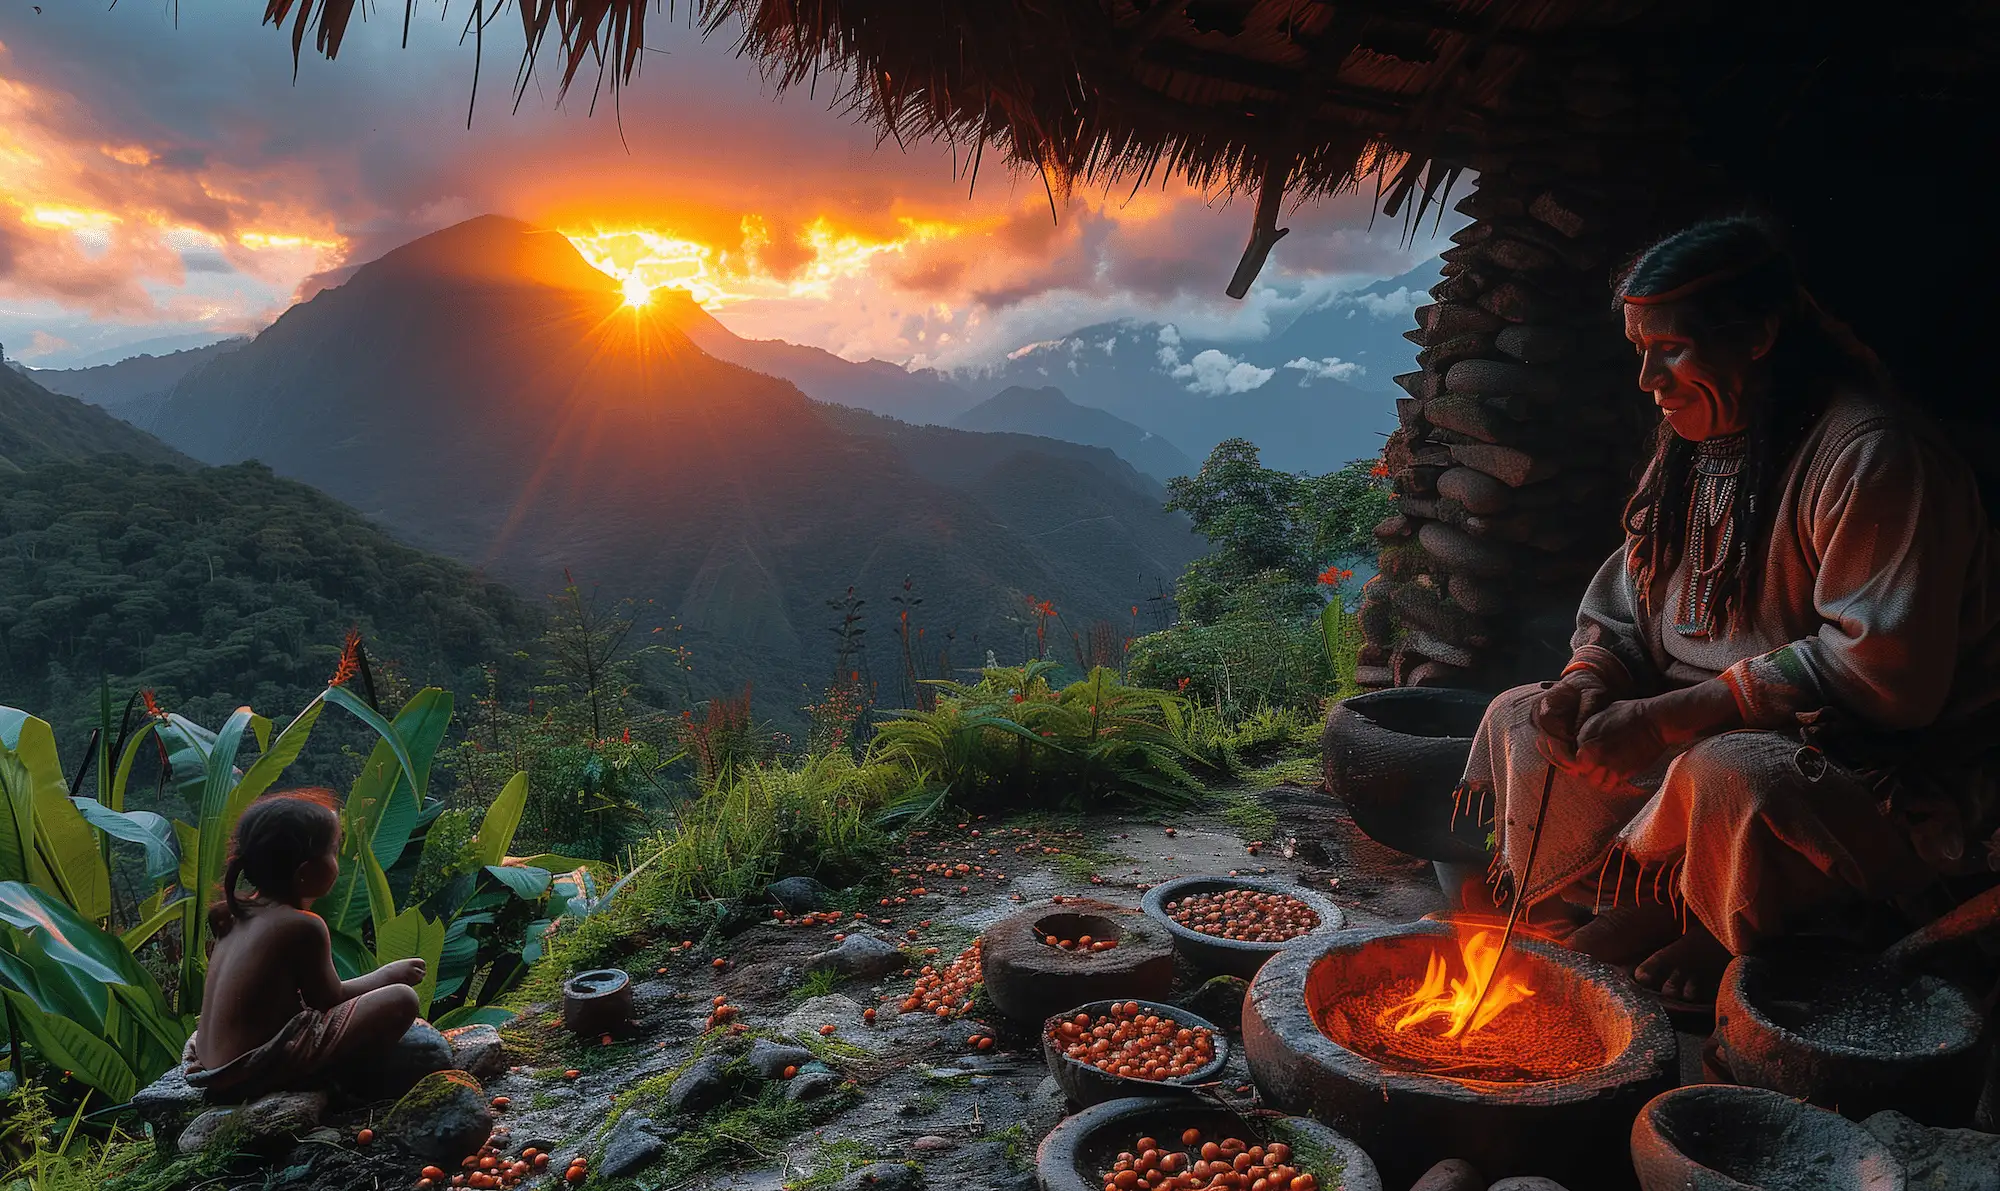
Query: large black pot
{"points": [[1395, 757]]}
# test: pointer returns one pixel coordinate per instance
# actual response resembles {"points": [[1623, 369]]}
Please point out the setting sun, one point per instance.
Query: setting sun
{"points": [[637, 292]]}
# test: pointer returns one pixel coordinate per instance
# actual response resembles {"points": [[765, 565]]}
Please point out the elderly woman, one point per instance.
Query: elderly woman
{"points": [[1783, 687]]}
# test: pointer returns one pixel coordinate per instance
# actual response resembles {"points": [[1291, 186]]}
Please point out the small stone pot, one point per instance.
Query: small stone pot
{"points": [[1086, 1085], [1851, 1035], [1075, 1155], [1718, 1137], [1030, 981], [1214, 956], [1395, 756], [597, 1002]]}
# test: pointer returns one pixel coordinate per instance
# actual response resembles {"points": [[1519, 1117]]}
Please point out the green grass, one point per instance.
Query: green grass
{"points": [[817, 984], [832, 1162], [752, 1131], [923, 1104]]}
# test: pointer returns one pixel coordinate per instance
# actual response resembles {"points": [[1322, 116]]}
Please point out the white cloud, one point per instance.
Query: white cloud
{"points": [[1400, 302], [1031, 348], [1328, 368], [1213, 374]]}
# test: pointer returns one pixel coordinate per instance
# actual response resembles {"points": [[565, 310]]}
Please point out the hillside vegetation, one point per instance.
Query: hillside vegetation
{"points": [[216, 587], [37, 426]]}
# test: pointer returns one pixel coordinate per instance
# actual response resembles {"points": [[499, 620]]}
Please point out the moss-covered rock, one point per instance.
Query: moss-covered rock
{"points": [[443, 1118]]}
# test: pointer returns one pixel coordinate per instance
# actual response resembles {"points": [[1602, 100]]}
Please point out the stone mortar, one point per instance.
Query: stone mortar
{"points": [[1078, 1151], [1030, 981], [1231, 957], [1086, 1085], [1717, 1137], [1572, 1128], [1394, 757], [1852, 1035]]}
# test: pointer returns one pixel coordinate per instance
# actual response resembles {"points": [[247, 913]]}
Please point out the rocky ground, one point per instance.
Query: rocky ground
{"points": [[772, 1056], [907, 1097]]}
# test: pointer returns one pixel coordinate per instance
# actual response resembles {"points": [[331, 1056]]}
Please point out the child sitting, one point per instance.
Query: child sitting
{"points": [[274, 1012]]}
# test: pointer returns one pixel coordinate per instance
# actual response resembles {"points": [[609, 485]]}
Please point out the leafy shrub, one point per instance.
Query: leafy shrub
{"points": [[1012, 737]]}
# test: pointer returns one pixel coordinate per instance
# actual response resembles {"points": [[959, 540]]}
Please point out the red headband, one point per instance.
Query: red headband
{"points": [[1689, 288]]}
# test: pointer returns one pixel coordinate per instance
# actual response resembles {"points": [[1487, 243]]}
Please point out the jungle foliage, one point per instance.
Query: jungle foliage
{"points": [[220, 586]]}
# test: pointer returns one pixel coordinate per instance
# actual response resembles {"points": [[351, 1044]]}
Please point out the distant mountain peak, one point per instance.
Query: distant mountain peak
{"points": [[491, 249], [1047, 411]]}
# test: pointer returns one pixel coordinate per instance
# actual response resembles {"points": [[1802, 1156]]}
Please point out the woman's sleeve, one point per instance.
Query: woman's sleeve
{"points": [[1895, 524], [1610, 637]]}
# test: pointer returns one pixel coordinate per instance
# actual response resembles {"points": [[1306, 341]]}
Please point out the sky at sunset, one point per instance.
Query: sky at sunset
{"points": [[164, 181]]}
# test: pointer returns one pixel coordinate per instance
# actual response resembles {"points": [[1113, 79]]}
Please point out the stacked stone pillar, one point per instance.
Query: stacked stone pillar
{"points": [[1523, 426]]}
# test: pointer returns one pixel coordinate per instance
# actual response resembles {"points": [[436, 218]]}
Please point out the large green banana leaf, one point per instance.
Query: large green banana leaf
{"points": [[410, 935], [210, 856], [152, 832], [64, 858], [503, 818], [383, 805], [73, 1048]]}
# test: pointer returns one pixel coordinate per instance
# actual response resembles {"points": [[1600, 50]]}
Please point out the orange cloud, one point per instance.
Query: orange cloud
{"points": [[96, 225]]}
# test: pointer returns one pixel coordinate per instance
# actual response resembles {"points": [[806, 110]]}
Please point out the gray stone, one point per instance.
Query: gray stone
{"points": [[629, 1148], [282, 1113], [1219, 1000], [204, 1129], [769, 1059], [1526, 1182], [812, 1085], [651, 995], [168, 1104], [1045, 1109], [931, 1143], [1452, 1174], [842, 1013], [477, 1049], [702, 1086], [799, 894], [1939, 1159], [419, 1052], [883, 1176], [860, 956], [443, 1117]]}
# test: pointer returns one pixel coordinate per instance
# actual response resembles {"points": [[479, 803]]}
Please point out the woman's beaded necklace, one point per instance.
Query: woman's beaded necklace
{"points": [[1718, 465]]}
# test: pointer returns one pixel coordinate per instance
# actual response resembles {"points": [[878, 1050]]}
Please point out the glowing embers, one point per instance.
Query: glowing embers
{"points": [[1465, 1004], [1426, 1024]]}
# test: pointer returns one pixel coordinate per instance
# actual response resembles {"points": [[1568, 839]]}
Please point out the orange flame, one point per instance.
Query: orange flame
{"points": [[1443, 995]]}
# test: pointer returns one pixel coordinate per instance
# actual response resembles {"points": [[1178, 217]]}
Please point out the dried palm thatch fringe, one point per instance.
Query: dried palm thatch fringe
{"points": [[1285, 98]]}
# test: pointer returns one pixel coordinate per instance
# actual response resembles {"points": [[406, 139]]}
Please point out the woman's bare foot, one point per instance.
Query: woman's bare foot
{"points": [[1626, 934], [1688, 969]]}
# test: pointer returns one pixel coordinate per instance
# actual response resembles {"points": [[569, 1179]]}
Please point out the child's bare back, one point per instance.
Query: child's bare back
{"points": [[275, 1013]]}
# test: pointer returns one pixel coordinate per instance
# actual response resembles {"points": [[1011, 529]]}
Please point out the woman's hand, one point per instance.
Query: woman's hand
{"points": [[1564, 708], [404, 971], [1619, 742]]}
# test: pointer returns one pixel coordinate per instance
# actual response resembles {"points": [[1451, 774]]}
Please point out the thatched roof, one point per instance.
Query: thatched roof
{"points": [[1302, 97], [1298, 97]]}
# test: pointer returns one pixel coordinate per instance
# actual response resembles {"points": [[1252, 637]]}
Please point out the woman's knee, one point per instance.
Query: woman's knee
{"points": [[395, 1006], [1752, 769]]}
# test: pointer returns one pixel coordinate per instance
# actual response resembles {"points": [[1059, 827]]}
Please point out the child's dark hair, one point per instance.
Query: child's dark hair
{"points": [[277, 833]]}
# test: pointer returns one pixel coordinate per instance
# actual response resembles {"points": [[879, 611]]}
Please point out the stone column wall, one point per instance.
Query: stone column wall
{"points": [[1523, 427]]}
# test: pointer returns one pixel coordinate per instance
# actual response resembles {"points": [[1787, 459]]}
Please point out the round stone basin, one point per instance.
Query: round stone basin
{"points": [[1851, 1034], [1075, 1155], [1215, 955], [1717, 1137], [1549, 1087], [1029, 981]]}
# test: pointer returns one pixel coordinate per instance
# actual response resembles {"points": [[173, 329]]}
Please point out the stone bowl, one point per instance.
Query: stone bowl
{"points": [[1077, 1152], [1030, 981], [1214, 956], [1719, 1137], [1850, 1034], [597, 1001], [1571, 1127], [1395, 756], [1086, 1085]]}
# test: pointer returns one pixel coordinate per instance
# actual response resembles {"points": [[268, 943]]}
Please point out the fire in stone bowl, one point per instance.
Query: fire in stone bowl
{"points": [[1375, 1032]]}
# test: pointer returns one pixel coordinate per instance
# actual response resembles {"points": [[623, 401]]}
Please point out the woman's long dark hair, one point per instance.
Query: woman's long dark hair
{"points": [[277, 833], [1739, 275]]}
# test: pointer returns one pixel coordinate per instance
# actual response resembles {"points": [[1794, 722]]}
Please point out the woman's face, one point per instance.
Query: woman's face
{"points": [[1699, 383]]}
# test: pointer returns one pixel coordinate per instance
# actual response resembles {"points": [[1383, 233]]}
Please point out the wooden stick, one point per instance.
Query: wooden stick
{"points": [[1520, 893]]}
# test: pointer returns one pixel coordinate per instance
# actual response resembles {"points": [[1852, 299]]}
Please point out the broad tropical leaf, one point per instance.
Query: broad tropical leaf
{"points": [[410, 935], [211, 849], [475, 1015], [496, 830], [71, 1047], [384, 803], [530, 884], [150, 831], [149, 924], [66, 859]]}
